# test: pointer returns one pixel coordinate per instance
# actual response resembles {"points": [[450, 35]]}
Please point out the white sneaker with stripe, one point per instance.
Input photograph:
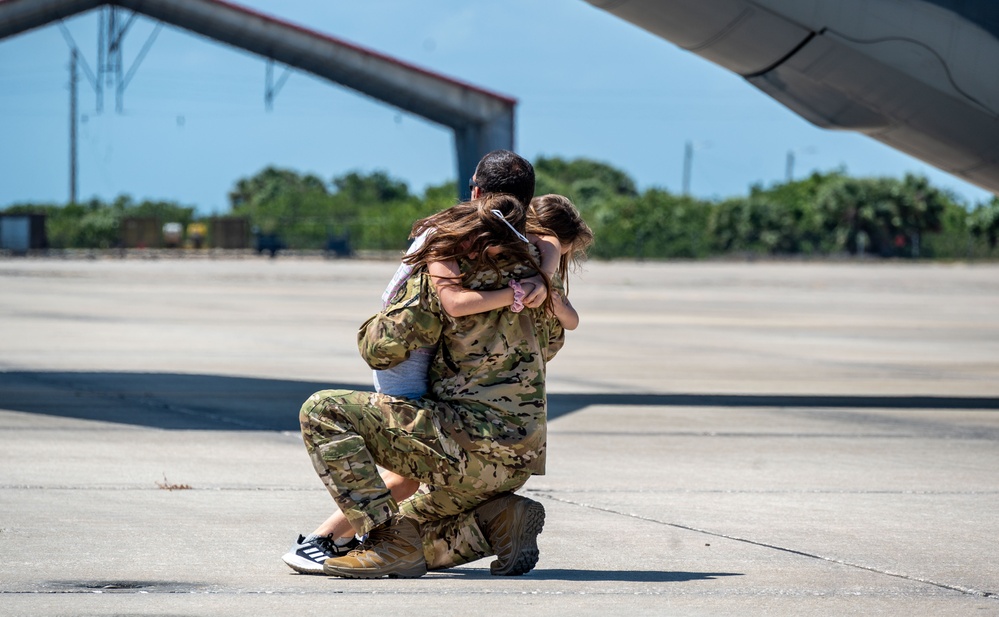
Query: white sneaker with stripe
{"points": [[308, 555]]}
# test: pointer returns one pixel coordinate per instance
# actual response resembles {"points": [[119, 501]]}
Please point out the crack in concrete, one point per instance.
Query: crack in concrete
{"points": [[958, 588]]}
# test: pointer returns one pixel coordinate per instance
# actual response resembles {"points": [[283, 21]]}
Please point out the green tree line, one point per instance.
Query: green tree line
{"points": [[97, 224], [828, 213]]}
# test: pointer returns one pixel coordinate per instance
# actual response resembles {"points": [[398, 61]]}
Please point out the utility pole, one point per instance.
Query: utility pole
{"points": [[792, 157], [688, 162], [110, 34], [73, 115]]}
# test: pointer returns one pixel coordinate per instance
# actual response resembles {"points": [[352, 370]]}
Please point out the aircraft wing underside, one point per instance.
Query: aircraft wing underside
{"points": [[921, 76]]}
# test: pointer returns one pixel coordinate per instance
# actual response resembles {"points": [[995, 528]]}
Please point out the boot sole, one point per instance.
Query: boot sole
{"points": [[526, 554], [401, 556], [402, 573]]}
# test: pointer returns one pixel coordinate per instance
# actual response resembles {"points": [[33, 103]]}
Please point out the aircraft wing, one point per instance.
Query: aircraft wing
{"points": [[921, 76]]}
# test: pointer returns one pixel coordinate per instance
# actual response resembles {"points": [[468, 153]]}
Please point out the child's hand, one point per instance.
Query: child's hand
{"points": [[536, 296], [528, 287]]}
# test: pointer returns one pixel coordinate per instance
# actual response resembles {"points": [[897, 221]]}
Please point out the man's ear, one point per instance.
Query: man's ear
{"points": [[476, 192]]}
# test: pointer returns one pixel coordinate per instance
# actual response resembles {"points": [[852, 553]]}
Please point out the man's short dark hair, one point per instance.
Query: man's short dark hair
{"points": [[502, 171]]}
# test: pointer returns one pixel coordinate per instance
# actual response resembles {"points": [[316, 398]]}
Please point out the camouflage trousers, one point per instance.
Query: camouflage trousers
{"points": [[348, 434]]}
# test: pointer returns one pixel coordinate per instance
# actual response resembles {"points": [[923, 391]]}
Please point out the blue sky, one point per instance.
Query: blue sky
{"points": [[588, 85]]}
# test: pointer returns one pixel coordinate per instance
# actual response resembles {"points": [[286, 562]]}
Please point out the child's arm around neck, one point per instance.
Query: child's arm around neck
{"points": [[564, 311], [551, 251], [458, 301]]}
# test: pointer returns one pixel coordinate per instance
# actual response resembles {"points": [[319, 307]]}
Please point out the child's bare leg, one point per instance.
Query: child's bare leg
{"points": [[337, 524]]}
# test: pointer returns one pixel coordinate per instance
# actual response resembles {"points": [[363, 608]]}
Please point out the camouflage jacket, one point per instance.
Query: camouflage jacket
{"points": [[487, 378]]}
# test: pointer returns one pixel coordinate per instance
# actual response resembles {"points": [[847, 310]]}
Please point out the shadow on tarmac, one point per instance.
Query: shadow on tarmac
{"points": [[565, 574], [215, 402], [627, 576], [622, 576]]}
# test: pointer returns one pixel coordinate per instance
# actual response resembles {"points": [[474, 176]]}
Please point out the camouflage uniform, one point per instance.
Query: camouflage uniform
{"points": [[479, 433]]}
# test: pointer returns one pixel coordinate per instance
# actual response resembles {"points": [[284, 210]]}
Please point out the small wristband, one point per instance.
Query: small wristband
{"points": [[518, 296]]}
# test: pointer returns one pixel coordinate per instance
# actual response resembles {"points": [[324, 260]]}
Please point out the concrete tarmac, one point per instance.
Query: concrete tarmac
{"points": [[724, 439]]}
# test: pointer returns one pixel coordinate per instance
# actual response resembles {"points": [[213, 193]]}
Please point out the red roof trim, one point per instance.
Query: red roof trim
{"points": [[313, 33]]}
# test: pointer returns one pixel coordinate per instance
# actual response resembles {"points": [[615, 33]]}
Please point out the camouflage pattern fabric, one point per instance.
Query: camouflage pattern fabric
{"points": [[479, 433], [348, 434], [488, 372]]}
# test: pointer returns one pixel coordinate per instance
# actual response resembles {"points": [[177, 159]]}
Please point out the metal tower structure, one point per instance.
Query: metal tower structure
{"points": [[482, 121]]}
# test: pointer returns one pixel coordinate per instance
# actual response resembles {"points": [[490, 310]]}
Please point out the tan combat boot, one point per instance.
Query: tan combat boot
{"points": [[511, 524], [393, 549]]}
